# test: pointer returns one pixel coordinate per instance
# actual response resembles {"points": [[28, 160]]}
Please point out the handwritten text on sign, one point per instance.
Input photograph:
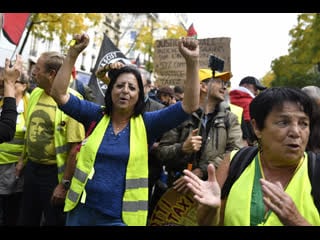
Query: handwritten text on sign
{"points": [[170, 67]]}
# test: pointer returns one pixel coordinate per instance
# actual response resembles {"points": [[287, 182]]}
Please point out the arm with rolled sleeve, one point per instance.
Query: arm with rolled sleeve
{"points": [[9, 113]]}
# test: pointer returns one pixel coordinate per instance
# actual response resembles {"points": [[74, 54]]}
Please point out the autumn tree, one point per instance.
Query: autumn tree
{"points": [[267, 79], [301, 66], [175, 32], [47, 26]]}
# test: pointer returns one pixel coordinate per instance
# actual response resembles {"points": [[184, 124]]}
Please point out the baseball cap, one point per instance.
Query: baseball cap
{"points": [[253, 81], [205, 73]]}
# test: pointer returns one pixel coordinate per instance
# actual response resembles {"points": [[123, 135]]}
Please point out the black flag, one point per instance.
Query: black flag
{"points": [[109, 53]]}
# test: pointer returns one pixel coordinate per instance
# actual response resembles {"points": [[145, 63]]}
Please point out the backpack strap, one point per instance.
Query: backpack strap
{"points": [[238, 163], [314, 176], [224, 107]]}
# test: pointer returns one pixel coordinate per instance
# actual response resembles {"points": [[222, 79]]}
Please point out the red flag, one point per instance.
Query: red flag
{"points": [[192, 32], [14, 25]]}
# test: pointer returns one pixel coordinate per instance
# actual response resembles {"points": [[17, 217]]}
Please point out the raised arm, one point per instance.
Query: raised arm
{"points": [[11, 75], [62, 79], [189, 49], [9, 113]]}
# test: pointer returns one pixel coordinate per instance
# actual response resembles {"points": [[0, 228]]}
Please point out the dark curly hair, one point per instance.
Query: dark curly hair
{"points": [[113, 74]]}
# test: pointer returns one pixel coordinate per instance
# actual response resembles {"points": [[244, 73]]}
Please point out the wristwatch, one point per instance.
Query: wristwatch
{"points": [[66, 184]]}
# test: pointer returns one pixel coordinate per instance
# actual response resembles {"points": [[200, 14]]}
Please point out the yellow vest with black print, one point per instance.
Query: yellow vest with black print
{"points": [[237, 210], [135, 198], [11, 151], [61, 146]]}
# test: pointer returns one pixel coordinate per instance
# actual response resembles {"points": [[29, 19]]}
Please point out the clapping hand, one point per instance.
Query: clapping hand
{"points": [[205, 192], [12, 73]]}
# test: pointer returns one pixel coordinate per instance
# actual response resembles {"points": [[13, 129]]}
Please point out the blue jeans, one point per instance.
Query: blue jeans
{"points": [[83, 215]]}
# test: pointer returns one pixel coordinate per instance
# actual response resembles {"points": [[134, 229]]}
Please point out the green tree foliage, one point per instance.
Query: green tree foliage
{"points": [[267, 79], [47, 26], [301, 66]]}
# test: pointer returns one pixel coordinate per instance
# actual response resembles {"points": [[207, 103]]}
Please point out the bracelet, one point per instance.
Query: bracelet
{"points": [[103, 72], [107, 67]]}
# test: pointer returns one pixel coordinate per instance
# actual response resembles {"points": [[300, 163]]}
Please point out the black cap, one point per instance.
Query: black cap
{"points": [[253, 81]]}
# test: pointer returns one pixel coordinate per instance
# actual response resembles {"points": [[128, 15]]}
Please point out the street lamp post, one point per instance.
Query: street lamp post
{"points": [[82, 67], [93, 57]]}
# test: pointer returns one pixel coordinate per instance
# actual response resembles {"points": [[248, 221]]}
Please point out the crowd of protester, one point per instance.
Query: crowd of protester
{"points": [[68, 161]]}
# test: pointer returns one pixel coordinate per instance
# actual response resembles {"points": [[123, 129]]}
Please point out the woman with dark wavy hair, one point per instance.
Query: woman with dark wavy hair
{"points": [[110, 182]]}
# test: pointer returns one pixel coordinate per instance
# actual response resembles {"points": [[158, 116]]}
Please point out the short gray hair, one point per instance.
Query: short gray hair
{"points": [[312, 91], [145, 75]]}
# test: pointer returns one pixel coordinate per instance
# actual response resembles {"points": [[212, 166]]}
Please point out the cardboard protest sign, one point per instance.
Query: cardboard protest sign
{"points": [[174, 209], [170, 67]]}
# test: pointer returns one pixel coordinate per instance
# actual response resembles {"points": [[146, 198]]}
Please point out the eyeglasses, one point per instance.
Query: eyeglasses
{"points": [[220, 81]]}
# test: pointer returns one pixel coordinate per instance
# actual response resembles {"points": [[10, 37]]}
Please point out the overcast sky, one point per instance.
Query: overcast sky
{"points": [[256, 38]]}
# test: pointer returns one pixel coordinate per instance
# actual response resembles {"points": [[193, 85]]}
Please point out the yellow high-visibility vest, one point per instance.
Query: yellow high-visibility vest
{"points": [[135, 199]]}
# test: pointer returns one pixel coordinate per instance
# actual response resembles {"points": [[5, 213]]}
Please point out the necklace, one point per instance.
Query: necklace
{"points": [[119, 126]]}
